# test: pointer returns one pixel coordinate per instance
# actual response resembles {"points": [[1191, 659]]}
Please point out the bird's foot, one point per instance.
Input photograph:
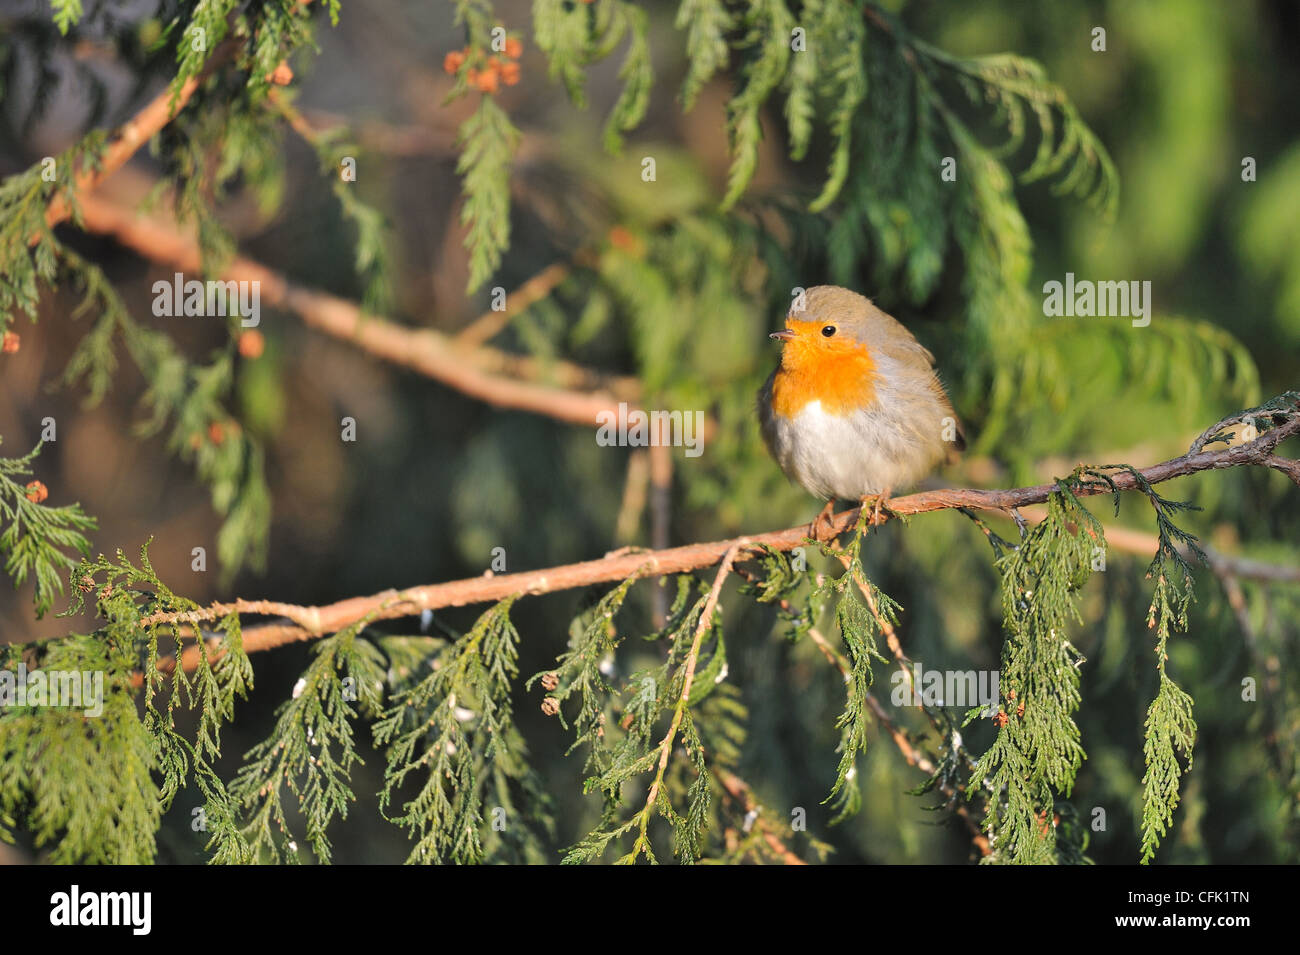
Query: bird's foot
{"points": [[822, 529], [877, 505]]}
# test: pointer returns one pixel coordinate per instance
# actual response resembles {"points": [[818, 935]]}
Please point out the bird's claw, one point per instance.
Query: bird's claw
{"points": [[877, 505], [822, 528]]}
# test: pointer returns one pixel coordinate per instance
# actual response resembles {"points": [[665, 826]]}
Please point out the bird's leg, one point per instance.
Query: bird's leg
{"points": [[877, 504], [822, 523], [881, 498]]}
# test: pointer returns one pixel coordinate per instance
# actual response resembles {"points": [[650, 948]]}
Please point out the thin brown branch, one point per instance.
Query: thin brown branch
{"points": [[738, 789], [317, 621], [702, 626], [389, 139], [692, 658], [423, 350], [138, 130], [833, 656], [297, 122], [541, 285], [1287, 466], [891, 637], [911, 755], [914, 757]]}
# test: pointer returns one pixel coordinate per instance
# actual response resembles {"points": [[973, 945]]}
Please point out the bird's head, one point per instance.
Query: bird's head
{"points": [[829, 329]]}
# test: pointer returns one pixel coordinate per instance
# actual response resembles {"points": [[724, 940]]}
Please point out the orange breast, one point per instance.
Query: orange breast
{"points": [[843, 380]]}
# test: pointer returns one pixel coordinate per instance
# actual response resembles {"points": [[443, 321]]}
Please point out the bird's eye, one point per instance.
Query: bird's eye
{"points": [[828, 330]]}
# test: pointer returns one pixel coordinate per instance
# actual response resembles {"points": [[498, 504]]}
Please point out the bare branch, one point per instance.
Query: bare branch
{"points": [[692, 657], [739, 790], [311, 622], [138, 130], [541, 285], [424, 350]]}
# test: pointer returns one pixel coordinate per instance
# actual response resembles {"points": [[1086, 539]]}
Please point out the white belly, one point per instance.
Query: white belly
{"points": [[852, 456]]}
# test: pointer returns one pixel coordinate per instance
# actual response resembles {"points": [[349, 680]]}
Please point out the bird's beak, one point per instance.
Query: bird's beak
{"points": [[783, 335]]}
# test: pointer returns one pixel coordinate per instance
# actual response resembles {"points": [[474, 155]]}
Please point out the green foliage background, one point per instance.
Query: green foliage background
{"points": [[787, 170]]}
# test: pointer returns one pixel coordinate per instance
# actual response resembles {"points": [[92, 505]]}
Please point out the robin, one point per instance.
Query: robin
{"points": [[855, 409]]}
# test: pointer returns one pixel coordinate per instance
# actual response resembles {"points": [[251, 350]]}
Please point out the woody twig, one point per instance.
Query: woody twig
{"points": [[137, 131], [486, 374], [309, 622]]}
